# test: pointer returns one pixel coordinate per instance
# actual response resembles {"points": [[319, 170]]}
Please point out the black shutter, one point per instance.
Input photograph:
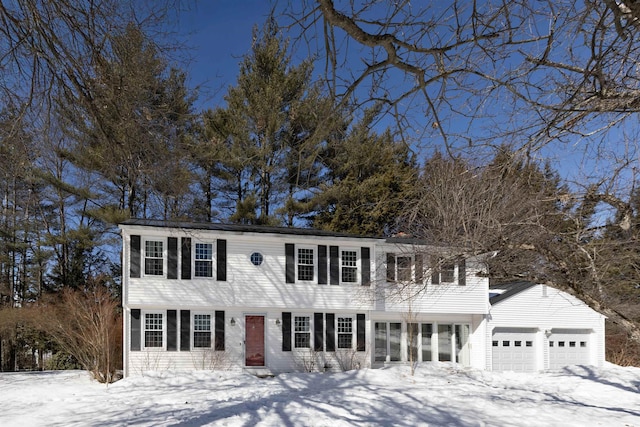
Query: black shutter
{"points": [[334, 268], [186, 258], [317, 332], [462, 272], [172, 330], [366, 266], [322, 265], [219, 328], [134, 257], [330, 332], [185, 330], [391, 268], [286, 331], [360, 333], [435, 268], [135, 328], [221, 258], [419, 268], [290, 266], [172, 259]]}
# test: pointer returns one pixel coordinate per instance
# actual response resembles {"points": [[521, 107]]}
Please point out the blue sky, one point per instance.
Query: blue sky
{"points": [[219, 31]]}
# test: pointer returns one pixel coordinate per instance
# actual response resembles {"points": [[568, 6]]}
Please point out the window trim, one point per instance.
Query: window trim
{"points": [[439, 270], [212, 259], [143, 249], [211, 330], [412, 267], [143, 331], [358, 266], [353, 331], [314, 266], [294, 331]]}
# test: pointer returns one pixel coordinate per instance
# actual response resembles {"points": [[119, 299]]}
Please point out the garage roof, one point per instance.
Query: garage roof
{"points": [[507, 290]]}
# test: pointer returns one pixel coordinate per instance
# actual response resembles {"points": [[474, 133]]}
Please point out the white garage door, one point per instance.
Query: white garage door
{"points": [[514, 350], [569, 348]]}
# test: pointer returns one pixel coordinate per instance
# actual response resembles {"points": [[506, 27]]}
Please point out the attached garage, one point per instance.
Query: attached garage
{"points": [[513, 349], [534, 327]]}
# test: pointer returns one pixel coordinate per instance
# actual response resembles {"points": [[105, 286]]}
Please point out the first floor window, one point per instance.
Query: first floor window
{"points": [[427, 332], [202, 330], [302, 331], [153, 330], [387, 341], [153, 258], [345, 332], [204, 260], [445, 335], [305, 264], [349, 266]]}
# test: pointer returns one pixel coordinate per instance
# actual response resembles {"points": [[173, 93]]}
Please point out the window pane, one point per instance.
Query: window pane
{"points": [[395, 336], [349, 266], [448, 273], [302, 328], [305, 264], [404, 268], [380, 342], [445, 333], [204, 260], [153, 261], [345, 332], [202, 330], [412, 341], [153, 330], [427, 331]]}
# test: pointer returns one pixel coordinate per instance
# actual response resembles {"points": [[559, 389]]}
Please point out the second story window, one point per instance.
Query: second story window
{"points": [[349, 266], [204, 260], [153, 258], [305, 264], [399, 268]]}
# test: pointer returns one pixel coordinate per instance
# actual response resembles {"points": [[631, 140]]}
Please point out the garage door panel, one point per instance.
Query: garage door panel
{"points": [[513, 350], [569, 348]]}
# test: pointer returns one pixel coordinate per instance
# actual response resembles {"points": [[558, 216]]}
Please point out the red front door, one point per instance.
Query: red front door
{"points": [[254, 341]]}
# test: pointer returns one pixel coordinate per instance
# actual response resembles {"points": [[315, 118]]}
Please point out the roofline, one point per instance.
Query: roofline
{"points": [[515, 288], [240, 228]]}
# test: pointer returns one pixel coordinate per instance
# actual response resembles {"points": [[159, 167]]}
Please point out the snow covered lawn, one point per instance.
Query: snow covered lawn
{"points": [[438, 395]]}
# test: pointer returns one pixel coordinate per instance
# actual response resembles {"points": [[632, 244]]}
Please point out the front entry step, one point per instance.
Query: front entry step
{"points": [[260, 372]]}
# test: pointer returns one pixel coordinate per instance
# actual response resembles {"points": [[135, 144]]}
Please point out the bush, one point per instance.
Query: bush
{"points": [[87, 325]]}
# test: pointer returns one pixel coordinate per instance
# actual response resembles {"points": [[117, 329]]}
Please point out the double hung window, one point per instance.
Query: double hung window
{"points": [[302, 332], [153, 258], [202, 330], [305, 264], [153, 330], [399, 268], [203, 260], [345, 332], [349, 266]]}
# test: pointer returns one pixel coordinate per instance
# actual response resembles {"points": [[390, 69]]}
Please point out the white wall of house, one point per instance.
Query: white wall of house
{"points": [[547, 312], [261, 290]]}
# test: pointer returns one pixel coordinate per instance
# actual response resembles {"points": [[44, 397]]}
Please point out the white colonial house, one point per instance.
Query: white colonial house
{"points": [[271, 300], [534, 327]]}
